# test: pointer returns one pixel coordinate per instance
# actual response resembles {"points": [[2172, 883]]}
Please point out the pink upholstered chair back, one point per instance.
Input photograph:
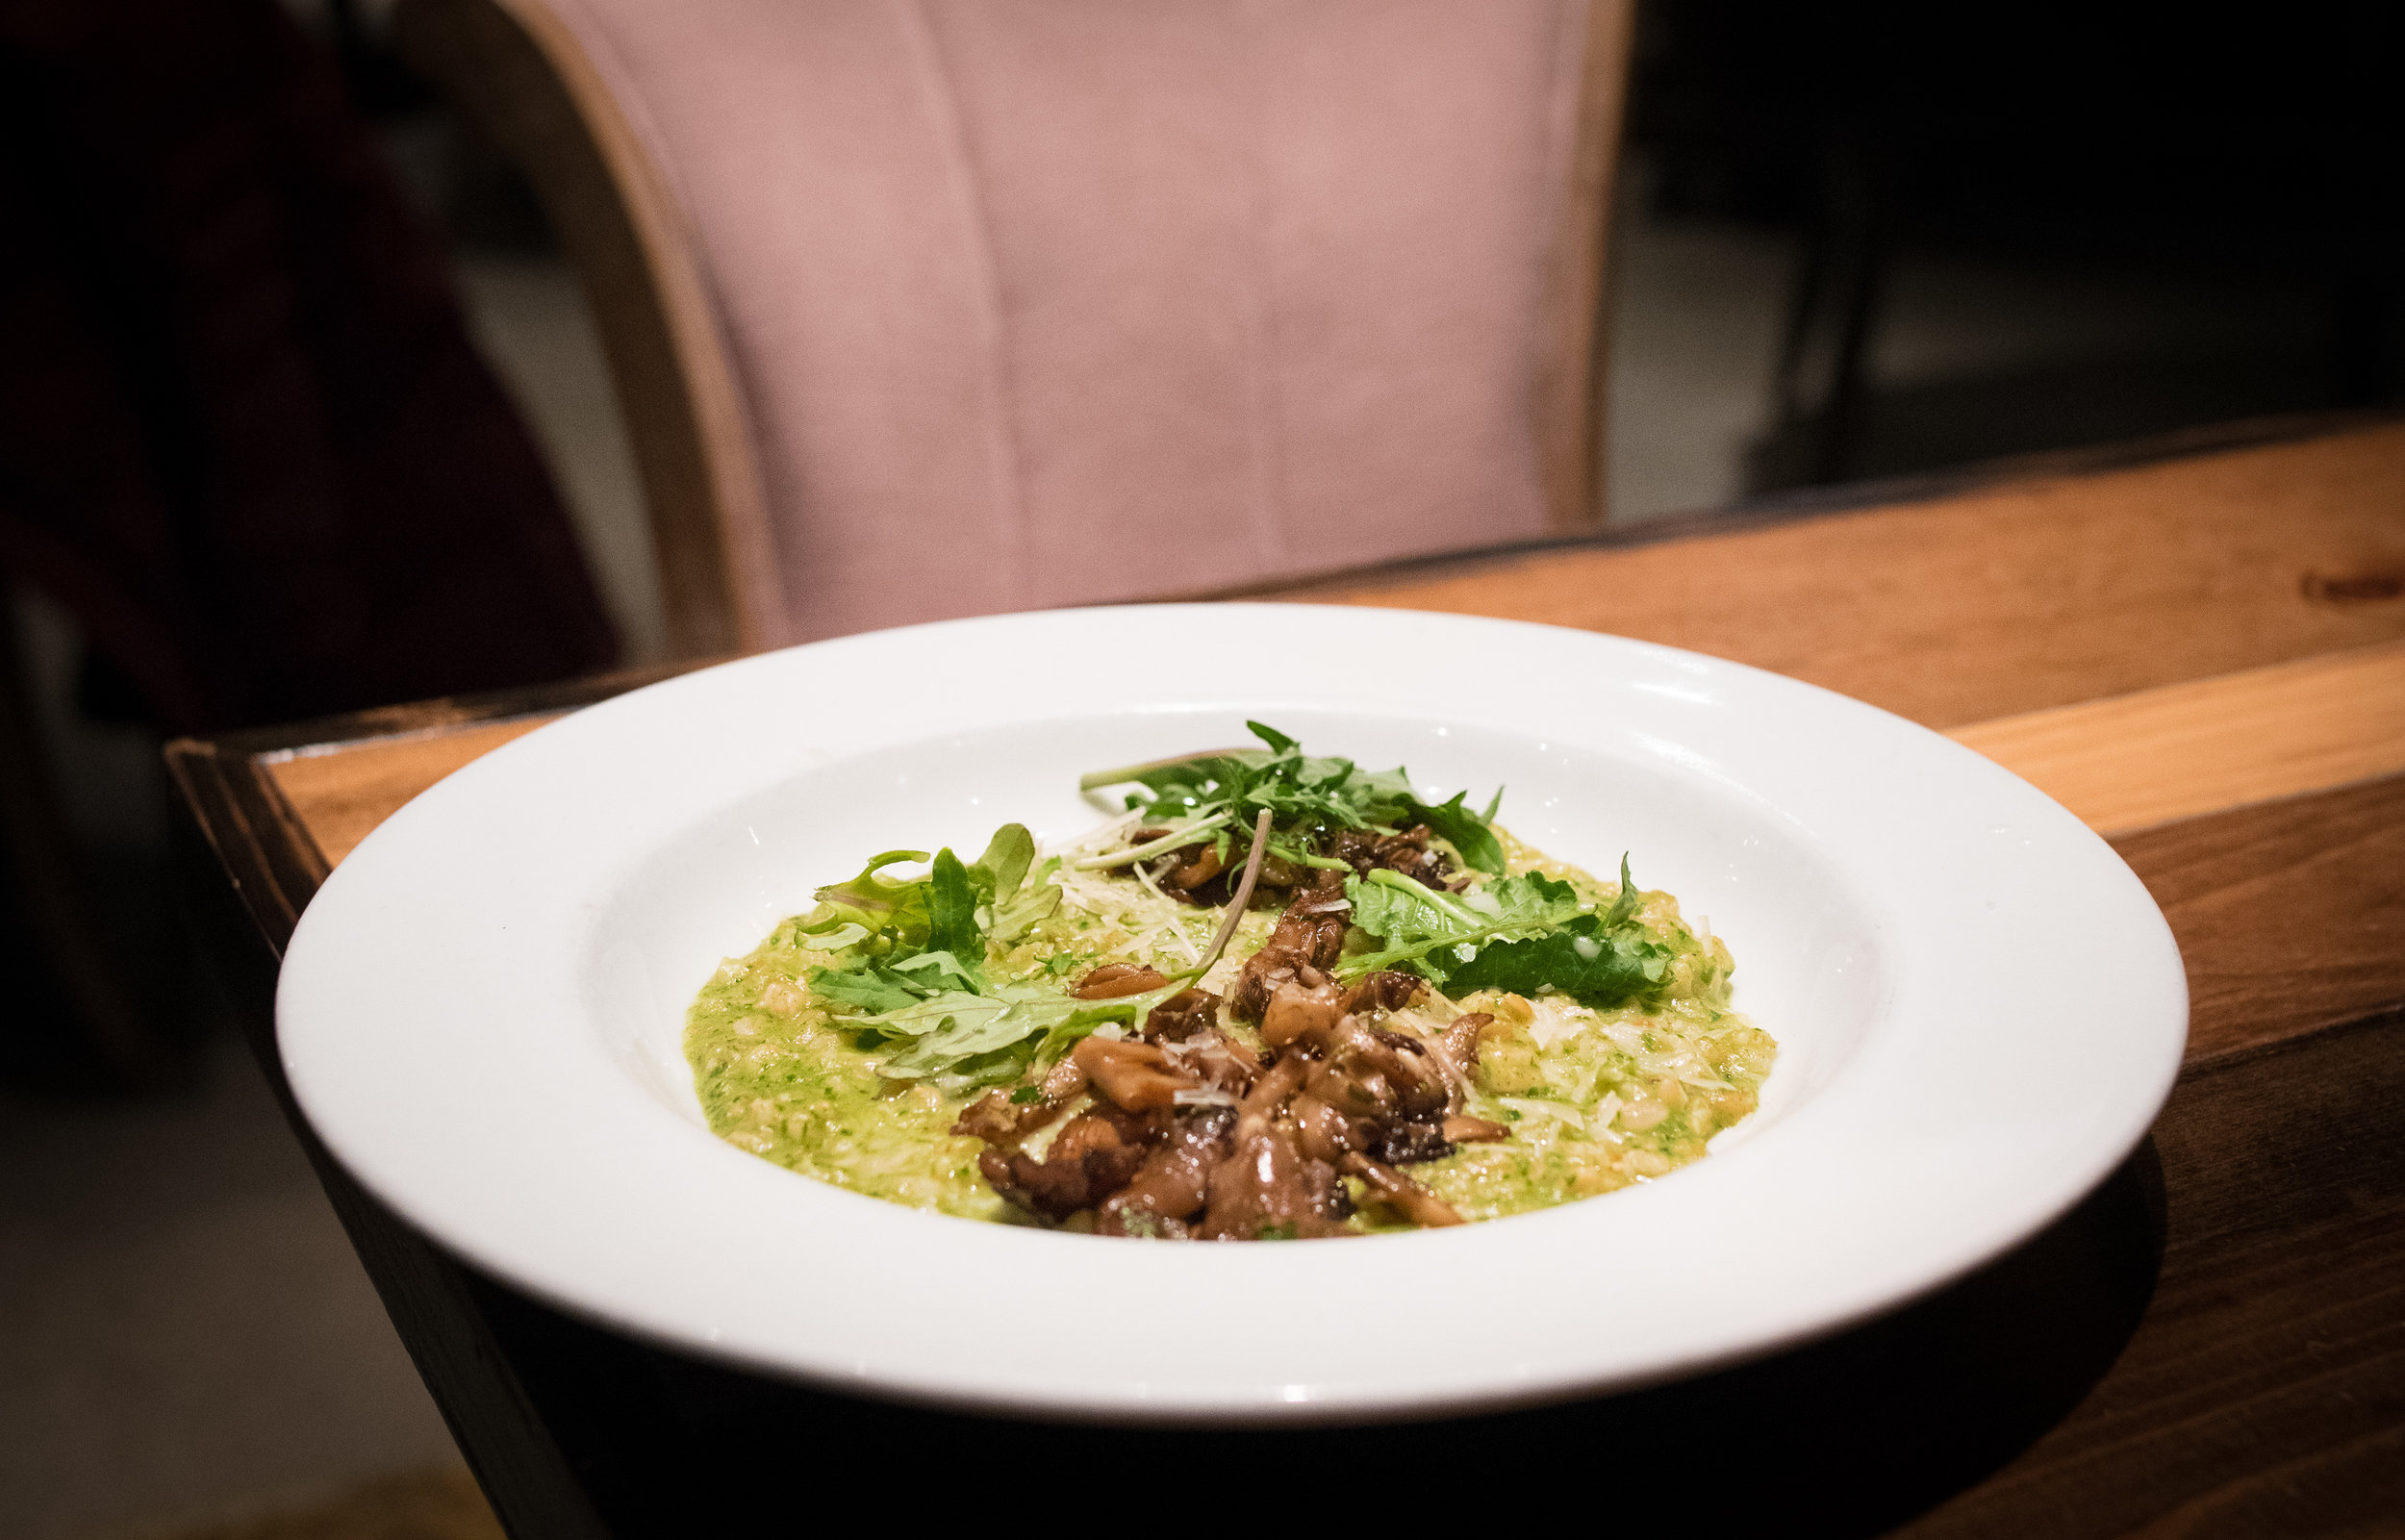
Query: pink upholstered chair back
{"points": [[1040, 302]]}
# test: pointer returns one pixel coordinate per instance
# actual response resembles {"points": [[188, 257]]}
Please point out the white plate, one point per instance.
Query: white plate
{"points": [[1979, 1010]]}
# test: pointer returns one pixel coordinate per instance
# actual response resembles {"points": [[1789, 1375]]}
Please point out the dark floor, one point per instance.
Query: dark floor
{"points": [[183, 1330]]}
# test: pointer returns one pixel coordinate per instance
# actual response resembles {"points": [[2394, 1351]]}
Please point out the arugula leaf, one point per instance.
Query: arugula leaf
{"points": [[1279, 743], [895, 910], [1586, 959], [999, 873], [932, 972], [846, 934], [1296, 789], [955, 1030], [1623, 908], [1306, 795], [1376, 791], [1431, 932], [953, 909], [1467, 831], [866, 991], [1014, 920], [1522, 934], [909, 943], [1600, 960], [914, 968], [968, 1040], [953, 914], [959, 1023], [1128, 1010], [1012, 906]]}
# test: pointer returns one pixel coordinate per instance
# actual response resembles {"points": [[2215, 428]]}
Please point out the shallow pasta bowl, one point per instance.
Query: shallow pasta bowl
{"points": [[1979, 1010]]}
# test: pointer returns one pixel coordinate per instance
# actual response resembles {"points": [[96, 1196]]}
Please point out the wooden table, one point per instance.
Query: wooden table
{"points": [[2201, 650]]}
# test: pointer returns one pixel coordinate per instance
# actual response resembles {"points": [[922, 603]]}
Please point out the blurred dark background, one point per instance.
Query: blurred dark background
{"points": [[304, 412], [2138, 149]]}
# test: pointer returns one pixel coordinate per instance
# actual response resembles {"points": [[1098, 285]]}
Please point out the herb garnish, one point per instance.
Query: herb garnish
{"points": [[1306, 797], [913, 965], [1523, 934], [912, 961]]}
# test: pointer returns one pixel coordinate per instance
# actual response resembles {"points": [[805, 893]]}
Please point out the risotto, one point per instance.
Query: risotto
{"points": [[1279, 997]]}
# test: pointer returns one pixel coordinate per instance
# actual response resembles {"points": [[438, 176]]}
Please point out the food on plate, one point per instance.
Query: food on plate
{"points": [[1279, 997]]}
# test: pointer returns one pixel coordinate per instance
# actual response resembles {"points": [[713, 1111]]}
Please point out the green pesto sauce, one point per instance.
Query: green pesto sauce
{"points": [[1595, 1099]]}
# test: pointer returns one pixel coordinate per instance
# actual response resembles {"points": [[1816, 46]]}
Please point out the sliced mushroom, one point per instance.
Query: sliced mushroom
{"points": [[1095, 1156], [1133, 1075], [1373, 1074], [1384, 991], [1003, 1120], [1406, 852], [1117, 980], [1420, 1083], [1408, 1142], [1324, 1132], [1278, 873], [1219, 1061], [1181, 1016], [1353, 1088], [1269, 1190], [1297, 1012], [1174, 1182], [1418, 1204], [1198, 864], [1463, 1129], [1310, 933], [1275, 1087], [1460, 1039]]}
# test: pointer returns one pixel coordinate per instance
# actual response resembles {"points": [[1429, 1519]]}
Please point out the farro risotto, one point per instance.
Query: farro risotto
{"points": [[1279, 998]]}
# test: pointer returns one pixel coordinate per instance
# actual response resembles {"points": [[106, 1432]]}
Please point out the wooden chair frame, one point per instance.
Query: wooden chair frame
{"points": [[515, 69]]}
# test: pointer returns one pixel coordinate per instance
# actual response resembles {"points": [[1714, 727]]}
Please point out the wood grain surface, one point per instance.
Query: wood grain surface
{"points": [[2183, 750], [2289, 916], [2005, 600], [341, 792]]}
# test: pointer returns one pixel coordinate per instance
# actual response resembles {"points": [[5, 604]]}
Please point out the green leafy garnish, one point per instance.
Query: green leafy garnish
{"points": [[1523, 934], [890, 914], [953, 915], [954, 1028], [862, 989], [1464, 830], [964, 1041], [1591, 964], [911, 966], [1430, 932], [1306, 795], [999, 877]]}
